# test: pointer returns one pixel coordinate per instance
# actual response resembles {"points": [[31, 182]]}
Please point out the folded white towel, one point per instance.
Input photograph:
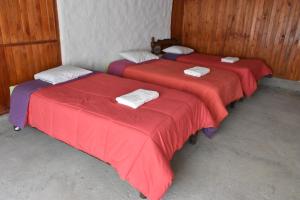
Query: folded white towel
{"points": [[137, 98], [230, 59], [197, 71]]}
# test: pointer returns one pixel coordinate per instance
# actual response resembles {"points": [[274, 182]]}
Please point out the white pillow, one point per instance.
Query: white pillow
{"points": [[138, 56], [61, 74], [178, 50]]}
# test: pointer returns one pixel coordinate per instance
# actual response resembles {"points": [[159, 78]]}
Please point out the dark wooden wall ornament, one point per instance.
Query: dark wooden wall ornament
{"points": [[29, 42], [265, 29], [158, 45]]}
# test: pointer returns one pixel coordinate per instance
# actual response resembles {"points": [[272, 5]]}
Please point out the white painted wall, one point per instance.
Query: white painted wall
{"points": [[93, 32]]}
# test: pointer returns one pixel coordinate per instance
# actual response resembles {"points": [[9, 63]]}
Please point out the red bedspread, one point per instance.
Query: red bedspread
{"points": [[249, 70], [138, 143], [217, 89]]}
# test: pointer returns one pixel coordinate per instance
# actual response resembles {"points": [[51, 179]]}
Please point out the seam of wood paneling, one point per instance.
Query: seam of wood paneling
{"points": [[28, 43]]}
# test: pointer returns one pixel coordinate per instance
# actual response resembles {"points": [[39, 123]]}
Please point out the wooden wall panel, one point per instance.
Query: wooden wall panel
{"points": [[29, 42], [23, 61], [27, 21], [266, 29], [177, 18]]}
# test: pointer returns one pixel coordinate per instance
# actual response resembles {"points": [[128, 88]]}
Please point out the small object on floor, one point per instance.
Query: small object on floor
{"points": [[142, 196], [16, 128], [270, 76]]}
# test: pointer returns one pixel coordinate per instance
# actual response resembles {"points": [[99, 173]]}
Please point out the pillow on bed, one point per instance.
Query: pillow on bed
{"points": [[138, 56], [178, 50], [61, 74]]}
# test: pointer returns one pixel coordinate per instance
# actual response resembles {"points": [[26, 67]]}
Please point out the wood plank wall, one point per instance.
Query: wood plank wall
{"points": [[29, 42], [266, 29]]}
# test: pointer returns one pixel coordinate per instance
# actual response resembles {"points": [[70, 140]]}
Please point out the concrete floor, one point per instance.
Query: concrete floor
{"points": [[255, 156]]}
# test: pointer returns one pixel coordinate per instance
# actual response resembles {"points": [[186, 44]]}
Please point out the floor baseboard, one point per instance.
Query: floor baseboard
{"points": [[281, 83]]}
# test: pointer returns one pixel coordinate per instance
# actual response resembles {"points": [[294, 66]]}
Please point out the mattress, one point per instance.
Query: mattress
{"points": [[138, 143], [217, 89], [248, 70]]}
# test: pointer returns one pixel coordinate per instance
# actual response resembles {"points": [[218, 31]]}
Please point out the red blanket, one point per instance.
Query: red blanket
{"points": [[139, 143], [217, 89], [248, 70]]}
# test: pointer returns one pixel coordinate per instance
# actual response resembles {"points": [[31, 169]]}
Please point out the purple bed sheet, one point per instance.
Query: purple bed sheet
{"points": [[171, 56], [118, 67], [19, 101]]}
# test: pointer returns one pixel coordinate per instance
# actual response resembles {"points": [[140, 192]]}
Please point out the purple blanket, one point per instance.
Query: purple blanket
{"points": [[19, 101], [117, 67], [171, 56]]}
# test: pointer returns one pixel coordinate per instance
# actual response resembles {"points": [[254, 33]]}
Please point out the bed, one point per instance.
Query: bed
{"points": [[249, 70], [217, 89], [137, 143]]}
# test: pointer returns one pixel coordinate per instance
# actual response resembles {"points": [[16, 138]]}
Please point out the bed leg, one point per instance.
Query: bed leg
{"points": [[270, 76], [232, 105], [142, 196], [193, 139], [16, 128]]}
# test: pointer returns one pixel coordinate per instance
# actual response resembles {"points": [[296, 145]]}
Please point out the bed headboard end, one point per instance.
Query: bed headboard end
{"points": [[158, 45]]}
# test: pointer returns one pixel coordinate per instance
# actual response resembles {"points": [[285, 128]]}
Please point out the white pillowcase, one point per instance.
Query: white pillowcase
{"points": [[138, 56], [178, 50], [61, 74]]}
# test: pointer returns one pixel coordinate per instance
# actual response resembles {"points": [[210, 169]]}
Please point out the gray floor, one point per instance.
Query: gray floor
{"points": [[255, 156]]}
